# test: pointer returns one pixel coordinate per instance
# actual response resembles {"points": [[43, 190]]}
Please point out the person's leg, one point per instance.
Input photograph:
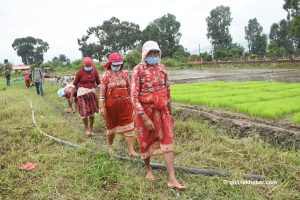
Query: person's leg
{"points": [[76, 107], [149, 174], [37, 88], [70, 105], [91, 124], [86, 125], [130, 141], [41, 89], [110, 141], [7, 83], [169, 160]]}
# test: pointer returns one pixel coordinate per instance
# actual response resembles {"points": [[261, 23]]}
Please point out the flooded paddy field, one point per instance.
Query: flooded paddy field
{"points": [[191, 76]]}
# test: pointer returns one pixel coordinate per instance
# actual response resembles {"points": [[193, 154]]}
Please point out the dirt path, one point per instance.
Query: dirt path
{"points": [[277, 133]]}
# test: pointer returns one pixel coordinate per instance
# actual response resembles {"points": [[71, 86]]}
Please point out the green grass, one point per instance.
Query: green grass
{"points": [[271, 100], [296, 118], [67, 173]]}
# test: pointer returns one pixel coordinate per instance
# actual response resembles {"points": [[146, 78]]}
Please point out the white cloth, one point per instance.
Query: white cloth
{"points": [[83, 91]]}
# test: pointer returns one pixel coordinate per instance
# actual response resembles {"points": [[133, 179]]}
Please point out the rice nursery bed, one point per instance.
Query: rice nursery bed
{"points": [[269, 100]]}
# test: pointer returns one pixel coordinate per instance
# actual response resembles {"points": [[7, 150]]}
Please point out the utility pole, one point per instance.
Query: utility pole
{"points": [[212, 54], [199, 50]]}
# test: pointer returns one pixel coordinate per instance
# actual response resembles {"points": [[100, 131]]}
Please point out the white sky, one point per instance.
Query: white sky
{"points": [[61, 22]]}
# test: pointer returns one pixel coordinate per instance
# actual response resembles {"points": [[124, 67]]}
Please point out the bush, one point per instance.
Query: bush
{"points": [[132, 59]]}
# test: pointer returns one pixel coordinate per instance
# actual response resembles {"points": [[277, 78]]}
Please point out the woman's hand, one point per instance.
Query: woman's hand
{"points": [[148, 123], [102, 109]]}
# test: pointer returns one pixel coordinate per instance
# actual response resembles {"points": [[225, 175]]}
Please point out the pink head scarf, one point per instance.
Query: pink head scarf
{"points": [[148, 46]]}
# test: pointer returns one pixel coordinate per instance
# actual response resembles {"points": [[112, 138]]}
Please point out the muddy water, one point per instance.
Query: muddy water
{"points": [[190, 76]]}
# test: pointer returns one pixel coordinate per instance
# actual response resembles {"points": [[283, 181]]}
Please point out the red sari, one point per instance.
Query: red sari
{"points": [[151, 93], [27, 80], [114, 94]]}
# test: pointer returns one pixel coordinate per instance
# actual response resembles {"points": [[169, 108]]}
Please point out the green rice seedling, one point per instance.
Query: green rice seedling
{"points": [[269, 100], [296, 118]]}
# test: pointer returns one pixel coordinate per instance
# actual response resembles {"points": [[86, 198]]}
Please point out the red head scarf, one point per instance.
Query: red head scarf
{"points": [[115, 59], [87, 61]]}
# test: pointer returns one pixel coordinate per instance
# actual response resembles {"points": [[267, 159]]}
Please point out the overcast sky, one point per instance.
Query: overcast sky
{"points": [[61, 22]]}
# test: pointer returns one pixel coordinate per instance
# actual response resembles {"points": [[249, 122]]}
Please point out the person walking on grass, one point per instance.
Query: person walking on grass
{"points": [[115, 102], [86, 80], [150, 94], [27, 79], [37, 78], [7, 77]]}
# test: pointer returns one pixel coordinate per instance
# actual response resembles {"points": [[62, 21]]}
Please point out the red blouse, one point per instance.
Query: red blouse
{"points": [[87, 79], [146, 80]]}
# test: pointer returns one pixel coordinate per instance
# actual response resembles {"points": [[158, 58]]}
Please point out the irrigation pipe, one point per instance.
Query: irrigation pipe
{"points": [[154, 165]]}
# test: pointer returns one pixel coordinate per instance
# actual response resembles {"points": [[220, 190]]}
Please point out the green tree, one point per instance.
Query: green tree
{"points": [[218, 24], [112, 36], [257, 40], [133, 58], [281, 34], [295, 31], [60, 60], [31, 50], [165, 31], [292, 7], [236, 50], [274, 33], [181, 52]]}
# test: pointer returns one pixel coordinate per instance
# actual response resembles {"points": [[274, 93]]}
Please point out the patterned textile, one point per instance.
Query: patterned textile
{"points": [[150, 93], [114, 95], [87, 104]]}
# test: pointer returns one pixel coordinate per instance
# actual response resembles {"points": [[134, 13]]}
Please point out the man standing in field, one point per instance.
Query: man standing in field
{"points": [[37, 77], [7, 76]]}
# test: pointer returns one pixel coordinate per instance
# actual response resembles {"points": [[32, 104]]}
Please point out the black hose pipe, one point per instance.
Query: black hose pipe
{"points": [[154, 165]]}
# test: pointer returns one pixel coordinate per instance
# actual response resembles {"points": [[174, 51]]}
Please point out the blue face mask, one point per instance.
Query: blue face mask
{"points": [[152, 60], [115, 68], [88, 68]]}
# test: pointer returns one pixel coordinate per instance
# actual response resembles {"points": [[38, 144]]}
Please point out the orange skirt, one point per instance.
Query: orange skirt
{"points": [[119, 112]]}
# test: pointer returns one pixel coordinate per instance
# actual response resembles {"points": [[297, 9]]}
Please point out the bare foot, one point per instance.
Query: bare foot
{"points": [[132, 154], [87, 133], [175, 185], [150, 176], [110, 150], [92, 133]]}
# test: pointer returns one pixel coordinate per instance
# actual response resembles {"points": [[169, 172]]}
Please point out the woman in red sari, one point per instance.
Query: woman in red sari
{"points": [[115, 102], [85, 82], [150, 93], [27, 79]]}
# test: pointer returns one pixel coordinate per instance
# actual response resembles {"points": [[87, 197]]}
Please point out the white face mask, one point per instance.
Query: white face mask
{"points": [[88, 68], [115, 68]]}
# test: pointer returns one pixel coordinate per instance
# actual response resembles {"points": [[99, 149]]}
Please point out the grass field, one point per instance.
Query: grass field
{"points": [[67, 173], [271, 100]]}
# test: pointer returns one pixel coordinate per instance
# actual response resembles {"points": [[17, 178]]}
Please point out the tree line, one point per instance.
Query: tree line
{"points": [[127, 38]]}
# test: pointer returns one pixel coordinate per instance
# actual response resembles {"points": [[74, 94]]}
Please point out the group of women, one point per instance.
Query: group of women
{"points": [[142, 104]]}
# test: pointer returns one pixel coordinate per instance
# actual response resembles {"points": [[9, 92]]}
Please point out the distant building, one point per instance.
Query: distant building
{"points": [[21, 67]]}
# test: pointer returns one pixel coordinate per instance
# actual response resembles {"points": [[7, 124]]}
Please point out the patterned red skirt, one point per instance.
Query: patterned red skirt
{"points": [[87, 104], [160, 140]]}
